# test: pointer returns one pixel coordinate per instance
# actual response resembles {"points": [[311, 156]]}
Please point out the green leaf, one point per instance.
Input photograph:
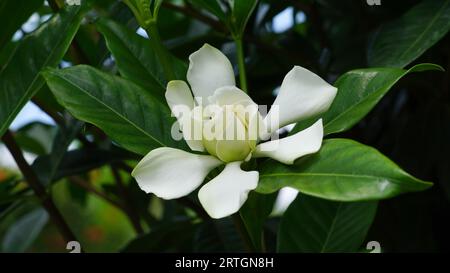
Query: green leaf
{"points": [[213, 7], [125, 111], [12, 15], [34, 137], [24, 231], [46, 166], [218, 235], [133, 56], [399, 42], [242, 10], [76, 162], [343, 170], [315, 225], [358, 93], [254, 214], [20, 79]]}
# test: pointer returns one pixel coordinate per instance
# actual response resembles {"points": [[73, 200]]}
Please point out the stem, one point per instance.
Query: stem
{"points": [[153, 33], [34, 183], [240, 226], [128, 206], [241, 64]]}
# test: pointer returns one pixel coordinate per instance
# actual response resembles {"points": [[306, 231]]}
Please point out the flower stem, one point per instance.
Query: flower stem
{"points": [[153, 33], [241, 63]]}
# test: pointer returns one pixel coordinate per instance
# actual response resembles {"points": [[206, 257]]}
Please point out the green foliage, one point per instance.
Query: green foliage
{"points": [[102, 82], [343, 170], [401, 41], [139, 123], [316, 225], [20, 78]]}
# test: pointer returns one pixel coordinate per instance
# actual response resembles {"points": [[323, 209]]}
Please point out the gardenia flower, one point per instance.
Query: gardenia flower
{"points": [[221, 110]]}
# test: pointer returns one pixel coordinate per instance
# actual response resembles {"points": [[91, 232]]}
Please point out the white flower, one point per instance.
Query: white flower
{"points": [[171, 173]]}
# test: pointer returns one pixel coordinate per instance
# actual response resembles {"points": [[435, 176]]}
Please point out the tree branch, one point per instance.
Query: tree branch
{"points": [[34, 183]]}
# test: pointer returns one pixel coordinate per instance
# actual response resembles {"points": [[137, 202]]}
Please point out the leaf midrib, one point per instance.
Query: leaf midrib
{"points": [[111, 109], [330, 231], [28, 90], [393, 180], [425, 30]]}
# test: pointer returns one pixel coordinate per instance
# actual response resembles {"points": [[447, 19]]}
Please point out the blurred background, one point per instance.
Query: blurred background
{"points": [[411, 125]]}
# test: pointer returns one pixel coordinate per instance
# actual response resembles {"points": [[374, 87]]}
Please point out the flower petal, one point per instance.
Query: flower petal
{"points": [[209, 70], [178, 94], [171, 173], [181, 103], [227, 192], [303, 94], [229, 95], [288, 149], [192, 128]]}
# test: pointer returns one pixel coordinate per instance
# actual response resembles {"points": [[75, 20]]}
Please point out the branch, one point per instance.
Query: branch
{"points": [[34, 183]]}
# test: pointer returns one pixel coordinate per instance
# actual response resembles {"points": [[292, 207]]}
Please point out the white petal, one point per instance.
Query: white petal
{"points": [[178, 94], [171, 173], [229, 95], [181, 103], [227, 192], [303, 94], [209, 70], [288, 149], [192, 128]]}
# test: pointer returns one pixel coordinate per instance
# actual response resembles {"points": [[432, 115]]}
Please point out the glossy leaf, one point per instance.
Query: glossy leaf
{"points": [[133, 56], [399, 42], [20, 79], [125, 111], [315, 225], [343, 170], [358, 93]]}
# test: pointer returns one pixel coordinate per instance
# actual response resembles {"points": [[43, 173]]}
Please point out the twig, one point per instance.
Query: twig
{"points": [[34, 183]]}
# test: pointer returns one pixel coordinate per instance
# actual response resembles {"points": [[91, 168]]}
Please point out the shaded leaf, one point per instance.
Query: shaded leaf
{"points": [[399, 42], [315, 225]]}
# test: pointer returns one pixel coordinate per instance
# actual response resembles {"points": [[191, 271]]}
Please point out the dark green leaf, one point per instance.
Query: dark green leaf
{"points": [[343, 170], [315, 225], [242, 11], [133, 55], [358, 92], [213, 7], [125, 111], [12, 15], [399, 42], [24, 231], [20, 79], [254, 214], [46, 166]]}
